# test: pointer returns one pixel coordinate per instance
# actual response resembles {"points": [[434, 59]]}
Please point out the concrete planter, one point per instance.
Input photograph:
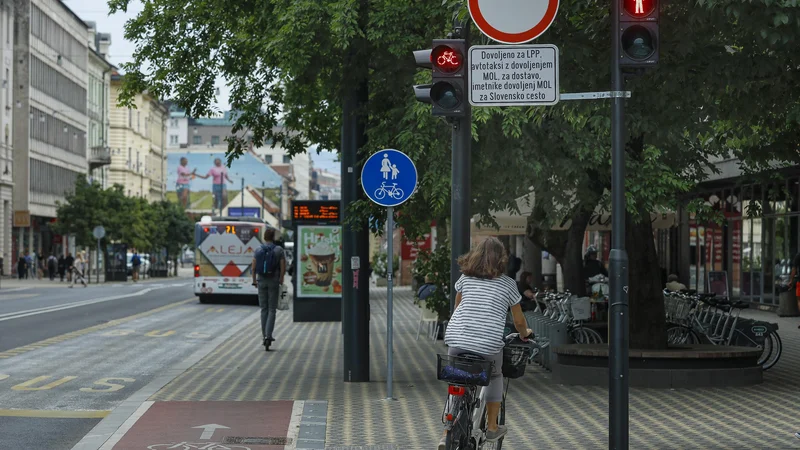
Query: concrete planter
{"points": [[381, 282]]}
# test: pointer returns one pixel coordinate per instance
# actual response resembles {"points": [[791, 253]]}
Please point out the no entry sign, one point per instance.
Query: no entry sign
{"points": [[513, 21]]}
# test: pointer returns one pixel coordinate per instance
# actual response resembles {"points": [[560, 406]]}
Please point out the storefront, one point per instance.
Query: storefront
{"points": [[747, 252]]}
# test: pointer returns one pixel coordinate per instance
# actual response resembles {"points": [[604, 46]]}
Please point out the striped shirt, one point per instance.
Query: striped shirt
{"points": [[478, 323]]}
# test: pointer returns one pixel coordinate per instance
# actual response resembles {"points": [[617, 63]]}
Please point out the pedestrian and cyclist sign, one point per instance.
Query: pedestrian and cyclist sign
{"points": [[389, 177]]}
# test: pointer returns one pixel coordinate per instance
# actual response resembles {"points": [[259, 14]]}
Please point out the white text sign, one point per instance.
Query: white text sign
{"points": [[519, 75]]}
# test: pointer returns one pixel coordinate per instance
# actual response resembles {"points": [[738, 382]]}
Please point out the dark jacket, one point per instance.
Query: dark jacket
{"points": [[592, 268]]}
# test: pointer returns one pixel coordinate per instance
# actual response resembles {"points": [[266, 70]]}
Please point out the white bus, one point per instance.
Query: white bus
{"points": [[224, 249]]}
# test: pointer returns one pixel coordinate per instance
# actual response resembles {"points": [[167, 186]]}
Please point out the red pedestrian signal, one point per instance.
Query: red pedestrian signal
{"points": [[639, 9], [639, 38]]}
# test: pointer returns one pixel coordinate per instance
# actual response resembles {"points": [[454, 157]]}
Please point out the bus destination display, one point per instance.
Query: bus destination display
{"points": [[316, 211]]}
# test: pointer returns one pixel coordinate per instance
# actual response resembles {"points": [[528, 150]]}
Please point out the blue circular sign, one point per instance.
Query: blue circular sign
{"points": [[389, 177]]}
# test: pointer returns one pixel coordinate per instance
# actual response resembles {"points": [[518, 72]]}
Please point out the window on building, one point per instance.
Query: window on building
{"points": [[173, 139], [214, 140], [287, 159], [197, 140], [173, 123], [268, 159]]}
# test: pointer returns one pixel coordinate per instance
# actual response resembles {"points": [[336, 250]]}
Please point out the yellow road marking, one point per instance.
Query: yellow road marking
{"points": [[3, 376], [108, 385], [37, 413], [73, 334], [158, 333], [29, 385]]}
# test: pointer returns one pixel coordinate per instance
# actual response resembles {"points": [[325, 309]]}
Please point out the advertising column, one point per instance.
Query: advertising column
{"points": [[317, 277]]}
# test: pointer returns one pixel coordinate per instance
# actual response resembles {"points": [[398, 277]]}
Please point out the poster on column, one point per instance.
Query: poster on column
{"points": [[319, 268]]}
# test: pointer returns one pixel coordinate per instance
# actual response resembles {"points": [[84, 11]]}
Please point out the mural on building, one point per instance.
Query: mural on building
{"points": [[202, 182]]}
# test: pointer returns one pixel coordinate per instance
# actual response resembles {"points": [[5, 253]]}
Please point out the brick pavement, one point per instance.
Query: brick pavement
{"points": [[307, 365]]}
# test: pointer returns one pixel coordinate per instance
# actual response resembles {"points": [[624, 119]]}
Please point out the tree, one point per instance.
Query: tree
{"points": [[84, 209], [175, 229], [722, 86]]}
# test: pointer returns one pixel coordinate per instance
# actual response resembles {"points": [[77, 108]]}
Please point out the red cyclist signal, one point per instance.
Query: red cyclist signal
{"points": [[447, 59]]}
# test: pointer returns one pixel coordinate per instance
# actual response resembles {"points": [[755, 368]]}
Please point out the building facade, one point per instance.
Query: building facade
{"points": [[137, 140], [50, 117], [6, 123], [99, 81]]}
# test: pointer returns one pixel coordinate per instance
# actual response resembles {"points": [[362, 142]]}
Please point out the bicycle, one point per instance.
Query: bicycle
{"points": [[465, 415], [705, 317], [392, 191], [559, 307]]}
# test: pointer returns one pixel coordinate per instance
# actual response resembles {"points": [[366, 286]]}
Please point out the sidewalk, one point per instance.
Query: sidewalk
{"points": [[307, 365], [14, 283]]}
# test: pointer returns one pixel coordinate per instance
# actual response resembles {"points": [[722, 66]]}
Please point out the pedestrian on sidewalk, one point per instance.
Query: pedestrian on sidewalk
{"points": [[136, 263], [69, 262], [22, 268], [52, 265], [269, 269], [28, 265], [77, 271], [485, 294], [62, 267]]}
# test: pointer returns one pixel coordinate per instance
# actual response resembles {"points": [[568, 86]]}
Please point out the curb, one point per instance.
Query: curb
{"points": [[110, 430]]}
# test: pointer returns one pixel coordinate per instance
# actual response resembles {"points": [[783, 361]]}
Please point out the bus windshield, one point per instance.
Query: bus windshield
{"points": [[226, 248]]}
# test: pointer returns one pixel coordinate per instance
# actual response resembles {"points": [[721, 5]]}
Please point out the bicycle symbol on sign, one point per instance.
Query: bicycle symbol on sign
{"points": [[392, 191]]}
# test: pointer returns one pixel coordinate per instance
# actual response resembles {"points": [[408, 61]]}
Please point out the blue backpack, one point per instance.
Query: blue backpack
{"points": [[266, 260], [136, 261]]}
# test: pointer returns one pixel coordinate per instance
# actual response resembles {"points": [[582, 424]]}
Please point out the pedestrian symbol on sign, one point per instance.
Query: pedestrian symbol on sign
{"points": [[387, 167]]}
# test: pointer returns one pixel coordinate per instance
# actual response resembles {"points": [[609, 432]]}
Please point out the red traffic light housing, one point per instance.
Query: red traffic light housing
{"points": [[639, 38], [447, 61]]}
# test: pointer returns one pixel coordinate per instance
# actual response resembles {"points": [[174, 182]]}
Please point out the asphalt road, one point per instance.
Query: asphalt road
{"points": [[69, 356]]}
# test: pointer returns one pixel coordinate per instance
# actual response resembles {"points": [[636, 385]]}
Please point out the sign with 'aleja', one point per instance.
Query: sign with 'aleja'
{"points": [[522, 75]]}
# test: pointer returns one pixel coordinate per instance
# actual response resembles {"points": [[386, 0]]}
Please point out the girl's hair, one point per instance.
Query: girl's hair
{"points": [[488, 259]]}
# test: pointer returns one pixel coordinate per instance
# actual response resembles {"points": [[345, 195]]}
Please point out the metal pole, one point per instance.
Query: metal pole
{"points": [[242, 213], [461, 194], [97, 262], [389, 286], [618, 259], [263, 198]]}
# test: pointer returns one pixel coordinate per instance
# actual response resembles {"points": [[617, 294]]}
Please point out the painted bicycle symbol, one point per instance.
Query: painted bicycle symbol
{"points": [[197, 446], [392, 191]]}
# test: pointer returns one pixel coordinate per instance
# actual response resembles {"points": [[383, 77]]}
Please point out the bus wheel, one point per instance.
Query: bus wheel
{"points": [[204, 299]]}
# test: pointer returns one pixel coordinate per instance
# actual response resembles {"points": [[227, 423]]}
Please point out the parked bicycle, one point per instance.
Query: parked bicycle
{"points": [[392, 191], [707, 318], [562, 307], [465, 414]]}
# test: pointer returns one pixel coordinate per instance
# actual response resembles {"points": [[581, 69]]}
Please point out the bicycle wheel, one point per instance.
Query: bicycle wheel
{"points": [[459, 434], [742, 340], [380, 193], [578, 336], [776, 350], [398, 193], [594, 336], [680, 335]]}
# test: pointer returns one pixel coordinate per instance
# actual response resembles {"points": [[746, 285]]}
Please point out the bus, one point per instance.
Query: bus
{"points": [[224, 250]]}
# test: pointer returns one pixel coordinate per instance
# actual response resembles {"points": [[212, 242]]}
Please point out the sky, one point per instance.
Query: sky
{"points": [[121, 51]]}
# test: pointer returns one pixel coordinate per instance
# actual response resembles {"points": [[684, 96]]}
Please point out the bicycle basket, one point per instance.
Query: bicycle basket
{"points": [[515, 359], [462, 370]]}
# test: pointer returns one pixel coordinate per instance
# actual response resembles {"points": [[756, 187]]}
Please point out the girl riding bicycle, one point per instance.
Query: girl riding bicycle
{"points": [[477, 327]]}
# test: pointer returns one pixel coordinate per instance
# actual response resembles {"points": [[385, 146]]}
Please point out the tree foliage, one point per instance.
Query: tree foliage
{"points": [[725, 85], [130, 220]]}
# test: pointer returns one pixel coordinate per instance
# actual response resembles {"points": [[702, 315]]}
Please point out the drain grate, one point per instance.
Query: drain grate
{"points": [[256, 440]]}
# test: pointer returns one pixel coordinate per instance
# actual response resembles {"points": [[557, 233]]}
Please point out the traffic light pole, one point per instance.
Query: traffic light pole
{"points": [[618, 259], [460, 185]]}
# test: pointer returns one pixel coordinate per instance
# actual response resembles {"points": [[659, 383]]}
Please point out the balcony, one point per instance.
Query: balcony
{"points": [[100, 156]]}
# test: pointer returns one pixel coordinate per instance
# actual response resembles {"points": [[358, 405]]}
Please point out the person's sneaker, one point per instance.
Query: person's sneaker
{"points": [[442, 443], [492, 436]]}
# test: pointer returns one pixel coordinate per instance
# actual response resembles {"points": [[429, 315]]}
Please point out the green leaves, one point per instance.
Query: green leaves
{"points": [[130, 220]]}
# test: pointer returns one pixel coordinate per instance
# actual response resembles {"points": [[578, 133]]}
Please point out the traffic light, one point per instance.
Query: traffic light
{"points": [[446, 93], [639, 33]]}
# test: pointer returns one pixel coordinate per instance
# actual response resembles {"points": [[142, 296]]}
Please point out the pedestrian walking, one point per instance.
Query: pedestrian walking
{"points": [[62, 267], [68, 263], [22, 268], [52, 266], [269, 269], [28, 265], [136, 263], [77, 271]]}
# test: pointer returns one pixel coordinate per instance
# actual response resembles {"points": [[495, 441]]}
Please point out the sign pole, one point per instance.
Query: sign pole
{"points": [[97, 261], [618, 259], [461, 193], [389, 299]]}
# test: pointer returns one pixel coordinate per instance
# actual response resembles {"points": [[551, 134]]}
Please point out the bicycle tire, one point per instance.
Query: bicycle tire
{"points": [[775, 354], [380, 193], [458, 435], [594, 336], [681, 335], [578, 335], [742, 340]]}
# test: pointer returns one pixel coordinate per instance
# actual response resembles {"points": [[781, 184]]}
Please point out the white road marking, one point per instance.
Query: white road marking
{"points": [[47, 309], [209, 429], [126, 426], [294, 425]]}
